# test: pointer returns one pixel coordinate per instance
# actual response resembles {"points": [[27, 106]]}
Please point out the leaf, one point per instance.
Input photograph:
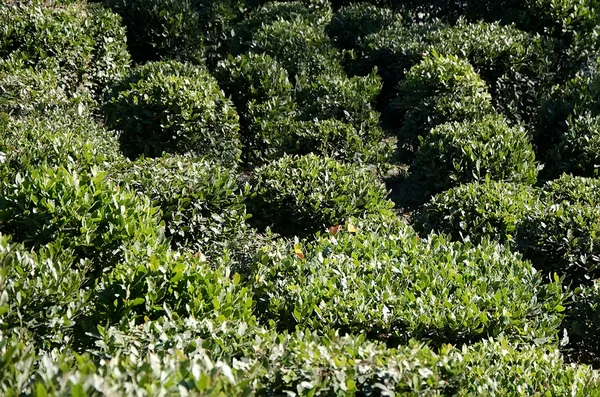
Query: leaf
{"points": [[352, 228]]}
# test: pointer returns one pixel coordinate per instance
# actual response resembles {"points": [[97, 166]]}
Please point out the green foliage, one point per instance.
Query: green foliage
{"points": [[477, 211], [438, 90], [83, 44], [351, 24], [396, 286], [469, 151], [564, 238], [583, 322], [299, 46], [302, 194], [26, 90], [43, 291], [201, 202], [175, 108], [578, 148], [58, 138], [573, 190], [88, 215], [148, 286]]}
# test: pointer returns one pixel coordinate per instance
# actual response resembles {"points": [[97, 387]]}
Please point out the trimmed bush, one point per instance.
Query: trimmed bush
{"points": [[478, 211], [44, 291], [299, 46], [578, 148], [469, 151], [396, 286], [201, 202], [175, 108], [583, 323], [300, 195], [563, 238], [573, 190], [90, 216], [339, 97], [56, 138], [84, 44], [439, 90], [351, 24]]}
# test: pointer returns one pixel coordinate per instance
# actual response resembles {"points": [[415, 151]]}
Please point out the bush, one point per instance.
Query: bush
{"points": [[300, 195], [26, 90], [175, 108], [578, 148], [56, 138], [478, 211], [572, 190], [583, 323], [44, 291], [201, 202], [299, 46], [469, 151], [351, 24], [389, 287], [84, 44], [338, 97], [563, 238], [439, 90], [91, 217]]}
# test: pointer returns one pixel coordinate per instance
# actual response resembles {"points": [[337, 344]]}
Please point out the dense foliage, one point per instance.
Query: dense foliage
{"points": [[308, 197]]}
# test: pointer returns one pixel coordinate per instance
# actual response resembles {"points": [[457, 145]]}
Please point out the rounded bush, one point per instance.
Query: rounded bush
{"points": [[563, 238], [573, 190], [583, 322], [439, 90], [578, 148], [351, 24], [396, 286], [201, 202], [56, 138], [175, 108], [332, 96], [84, 44], [469, 151], [478, 211], [299, 46], [298, 195], [91, 217]]}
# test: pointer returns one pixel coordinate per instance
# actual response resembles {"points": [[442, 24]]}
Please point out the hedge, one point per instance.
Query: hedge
{"points": [[396, 287]]}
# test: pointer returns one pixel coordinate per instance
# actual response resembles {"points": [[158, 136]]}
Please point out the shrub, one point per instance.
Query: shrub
{"points": [[168, 284], [439, 90], [339, 97], [91, 217], [563, 238], [578, 148], [300, 195], [299, 46], [351, 24], [271, 12], [26, 90], [175, 108], [44, 291], [469, 151], [572, 190], [389, 287], [56, 138], [84, 44], [201, 202], [478, 211], [583, 323]]}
